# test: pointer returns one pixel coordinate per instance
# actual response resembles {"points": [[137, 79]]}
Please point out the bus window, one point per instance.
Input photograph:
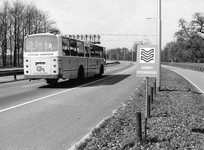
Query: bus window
{"points": [[92, 51], [65, 47], [98, 51], [73, 47], [101, 53], [41, 44], [80, 48], [87, 51]]}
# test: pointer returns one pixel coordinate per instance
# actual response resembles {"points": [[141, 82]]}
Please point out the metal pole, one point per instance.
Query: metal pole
{"points": [[146, 96], [117, 55], [139, 126], [124, 54], [159, 44], [148, 106], [132, 54], [146, 112], [151, 95]]}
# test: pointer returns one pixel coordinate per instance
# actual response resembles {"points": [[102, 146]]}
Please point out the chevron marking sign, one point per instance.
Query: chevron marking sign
{"points": [[147, 55], [147, 61]]}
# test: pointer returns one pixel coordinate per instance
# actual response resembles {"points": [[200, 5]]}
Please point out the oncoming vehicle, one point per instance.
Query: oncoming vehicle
{"points": [[53, 57]]}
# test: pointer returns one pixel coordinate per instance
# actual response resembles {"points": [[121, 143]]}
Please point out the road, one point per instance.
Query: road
{"points": [[37, 116], [195, 77]]}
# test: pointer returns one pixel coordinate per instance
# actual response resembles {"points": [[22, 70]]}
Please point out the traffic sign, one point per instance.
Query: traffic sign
{"points": [[147, 61]]}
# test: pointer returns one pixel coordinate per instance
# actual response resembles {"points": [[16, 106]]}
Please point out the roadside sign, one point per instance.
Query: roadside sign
{"points": [[147, 61]]}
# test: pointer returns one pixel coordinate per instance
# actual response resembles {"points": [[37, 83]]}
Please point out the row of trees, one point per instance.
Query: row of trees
{"points": [[189, 43], [18, 19], [125, 53]]}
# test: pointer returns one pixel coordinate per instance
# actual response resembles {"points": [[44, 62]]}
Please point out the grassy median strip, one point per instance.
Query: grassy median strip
{"points": [[177, 119]]}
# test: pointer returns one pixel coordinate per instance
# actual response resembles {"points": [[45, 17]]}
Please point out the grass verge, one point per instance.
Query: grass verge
{"points": [[177, 120]]}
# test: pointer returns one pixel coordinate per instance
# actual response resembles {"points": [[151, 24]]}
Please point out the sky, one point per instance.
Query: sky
{"points": [[119, 17]]}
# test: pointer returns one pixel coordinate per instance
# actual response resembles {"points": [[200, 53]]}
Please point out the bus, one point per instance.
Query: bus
{"points": [[53, 57]]}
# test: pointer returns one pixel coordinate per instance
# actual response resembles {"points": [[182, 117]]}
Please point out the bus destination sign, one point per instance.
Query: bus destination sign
{"points": [[147, 61]]}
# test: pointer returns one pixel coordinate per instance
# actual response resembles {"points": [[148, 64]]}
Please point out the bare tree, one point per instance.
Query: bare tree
{"points": [[4, 26], [16, 20], [17, 13]]}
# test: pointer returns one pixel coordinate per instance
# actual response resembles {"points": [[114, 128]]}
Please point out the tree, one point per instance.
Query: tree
{"points": [[144, 42], [192, 33], [16, 21], [4, 19]]}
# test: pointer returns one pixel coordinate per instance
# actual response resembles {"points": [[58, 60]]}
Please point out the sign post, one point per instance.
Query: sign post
{"points": [[148, 64]]}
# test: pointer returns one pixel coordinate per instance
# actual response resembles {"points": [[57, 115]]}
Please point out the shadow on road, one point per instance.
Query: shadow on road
{"points": [[108, 80]]}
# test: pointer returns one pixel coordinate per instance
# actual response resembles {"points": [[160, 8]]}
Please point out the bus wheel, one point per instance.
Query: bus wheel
{"points": [[80, 74], [101, 70], [51, 81]]}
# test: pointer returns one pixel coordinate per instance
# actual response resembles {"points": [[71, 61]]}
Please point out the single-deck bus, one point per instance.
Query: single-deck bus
{"points": [[53, 57]]}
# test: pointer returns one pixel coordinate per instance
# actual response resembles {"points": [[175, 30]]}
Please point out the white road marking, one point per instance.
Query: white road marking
{"points": [[32, 85], [173, 69], [190, 82], [38, 99]]}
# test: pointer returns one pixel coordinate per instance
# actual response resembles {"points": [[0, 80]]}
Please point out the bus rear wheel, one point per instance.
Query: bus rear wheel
{"points": [[101, 70], [51, 81], [80, 74]]}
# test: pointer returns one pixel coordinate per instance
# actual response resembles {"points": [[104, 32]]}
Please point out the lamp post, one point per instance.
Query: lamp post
{"points": [[158, 42], [132, 54], [159, 22], [117, 55]]}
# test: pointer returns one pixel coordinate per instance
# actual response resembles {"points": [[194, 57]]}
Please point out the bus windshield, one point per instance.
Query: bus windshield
{"points": [[41, 44]]}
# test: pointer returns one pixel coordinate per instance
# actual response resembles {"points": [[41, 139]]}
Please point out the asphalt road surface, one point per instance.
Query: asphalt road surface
{"points": [[195, 77], [37, 116]]}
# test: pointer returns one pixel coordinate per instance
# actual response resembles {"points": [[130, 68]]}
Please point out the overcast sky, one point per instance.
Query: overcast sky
{"points": [[119, 17]]}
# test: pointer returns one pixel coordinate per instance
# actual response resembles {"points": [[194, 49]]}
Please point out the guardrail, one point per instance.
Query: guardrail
{"points": [[11, 71], [196, 67]]}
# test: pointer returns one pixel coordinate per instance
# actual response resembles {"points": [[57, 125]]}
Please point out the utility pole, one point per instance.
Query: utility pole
{"points": [[117, 55], [124, 54], [159, 22], [132, 54]]}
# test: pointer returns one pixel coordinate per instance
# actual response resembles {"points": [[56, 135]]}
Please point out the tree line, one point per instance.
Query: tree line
{"points": [[18, 19], [189, 42], [126, 54]]}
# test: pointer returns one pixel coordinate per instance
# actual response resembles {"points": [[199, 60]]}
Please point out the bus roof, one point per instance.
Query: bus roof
{"points": [[61, 35]]}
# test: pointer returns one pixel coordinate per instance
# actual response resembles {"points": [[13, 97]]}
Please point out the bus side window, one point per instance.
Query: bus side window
{"points": [[80, 48], [65, 47], [92, 51], [87, 51], [73, 47], [97, 52]]}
